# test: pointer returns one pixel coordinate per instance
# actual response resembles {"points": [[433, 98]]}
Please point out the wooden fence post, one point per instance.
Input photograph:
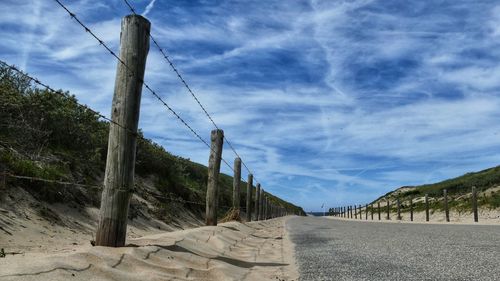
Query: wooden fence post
{"points": [[360, 212], [399, 209], [426, 207], [217, 139], [378, 209], [236, 183], [120, 162], [261, 204], [249, 197], [355, 212], [474, 204], [366, 212], [411, 209], [257, 202], [388, 216], [446, 210], [266, 208], [351, 211], [371, 205]]}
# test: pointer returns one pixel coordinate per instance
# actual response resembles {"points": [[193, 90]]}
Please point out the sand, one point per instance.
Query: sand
{"points": [[229, 251]]}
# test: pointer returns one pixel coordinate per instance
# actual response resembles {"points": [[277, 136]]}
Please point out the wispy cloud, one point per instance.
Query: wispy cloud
{"points": [[149, 7]]}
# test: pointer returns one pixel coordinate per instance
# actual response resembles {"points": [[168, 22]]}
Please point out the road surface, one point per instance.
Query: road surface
{"points": [[354, 250]]}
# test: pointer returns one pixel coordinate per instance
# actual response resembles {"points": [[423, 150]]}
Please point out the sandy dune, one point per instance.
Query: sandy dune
{"points": [[230, 251]]}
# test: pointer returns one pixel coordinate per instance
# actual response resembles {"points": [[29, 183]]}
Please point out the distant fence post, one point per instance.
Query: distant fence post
{"points": [[399, 209], [446, 210], [427, 207], [120, 162], [351, 211], [411, 209], [216, 139], [355, 212], [388, 216], [266, 208], [378, 209], [257, 202], [371, 207], [236, 183], [249, 197], [366, 212], [261, 204], [360, 212], [474, 204]]}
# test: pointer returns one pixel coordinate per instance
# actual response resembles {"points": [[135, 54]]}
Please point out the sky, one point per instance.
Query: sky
{"points": [[334, 102]]}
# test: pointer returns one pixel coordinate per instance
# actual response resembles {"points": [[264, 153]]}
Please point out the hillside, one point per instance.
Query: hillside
{"points": [[459, 190], [62, 147]]}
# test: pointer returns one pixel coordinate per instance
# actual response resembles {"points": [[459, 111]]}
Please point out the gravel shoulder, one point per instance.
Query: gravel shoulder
{"points": [[328, 249]]}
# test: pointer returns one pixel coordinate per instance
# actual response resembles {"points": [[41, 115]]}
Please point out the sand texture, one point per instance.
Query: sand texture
{"points": [[229, 251]]}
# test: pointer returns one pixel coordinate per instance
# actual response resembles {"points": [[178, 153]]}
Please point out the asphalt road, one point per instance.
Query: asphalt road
{"points": [[349, 250]]}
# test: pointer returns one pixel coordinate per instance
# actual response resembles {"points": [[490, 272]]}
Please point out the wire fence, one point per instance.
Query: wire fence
{"points": [[144, 83], [154, 93], [164, 196], [169, 61], [60, 93]]}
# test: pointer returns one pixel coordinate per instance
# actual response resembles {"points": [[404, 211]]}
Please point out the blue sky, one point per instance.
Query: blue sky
{"points": [[326, 101]]}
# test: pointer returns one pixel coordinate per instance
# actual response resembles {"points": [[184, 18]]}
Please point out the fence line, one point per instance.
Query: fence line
{"points": [[167, 196], [153, 92], [183, 81], [107, 223], [344, 211], [100, 115]]}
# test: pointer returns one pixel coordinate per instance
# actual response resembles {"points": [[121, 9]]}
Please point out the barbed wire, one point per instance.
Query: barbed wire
{"points": [[101, 42], [167, 196], [181, 78]]}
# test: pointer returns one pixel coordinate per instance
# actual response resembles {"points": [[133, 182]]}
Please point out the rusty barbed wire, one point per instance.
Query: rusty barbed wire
{"points": [[101, 42]]}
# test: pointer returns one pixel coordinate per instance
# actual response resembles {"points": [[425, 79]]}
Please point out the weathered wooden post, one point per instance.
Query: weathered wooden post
{"points": [[261, 204], [266, 205], [426, 207], [249, 197], [378, 209], [355, 212], [120, 162], [474, 204], [411, 209], [446, 210], [236, 183], [360, 212], [217, 139], [350, 207], [388, 216], [399, 209], [257, 202], [371, 205], [366, 212]]}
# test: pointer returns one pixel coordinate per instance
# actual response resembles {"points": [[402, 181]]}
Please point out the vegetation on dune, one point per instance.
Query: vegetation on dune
{"points": [[50, 136], [458, 189]]}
